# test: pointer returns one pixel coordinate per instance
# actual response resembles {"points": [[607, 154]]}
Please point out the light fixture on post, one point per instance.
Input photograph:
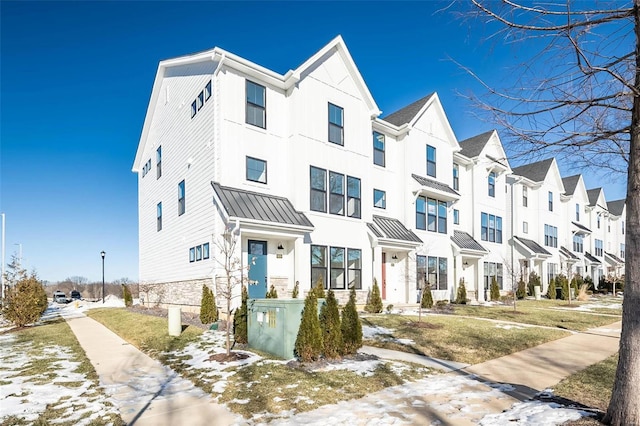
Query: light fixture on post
{"points": [[102, 253]]}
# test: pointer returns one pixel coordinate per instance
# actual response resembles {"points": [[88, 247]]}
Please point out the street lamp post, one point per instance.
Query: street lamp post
{"points": [[102, 253]]}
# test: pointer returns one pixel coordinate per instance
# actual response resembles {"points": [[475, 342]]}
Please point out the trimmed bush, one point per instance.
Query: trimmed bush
{"points": [[296, 290], [563, 283], [26, 301], [374, 301], [551, 291], [461, 297], [126, 295], [272, 293], [426, 301], [240, 319], [208, 308], [494, 291], [534, 280], [333, 345], [521, 292], [309, 345], [318, 289], [351, 326]]}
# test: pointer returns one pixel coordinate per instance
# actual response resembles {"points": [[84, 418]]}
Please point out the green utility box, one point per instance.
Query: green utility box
{"points": [[273, 325]]}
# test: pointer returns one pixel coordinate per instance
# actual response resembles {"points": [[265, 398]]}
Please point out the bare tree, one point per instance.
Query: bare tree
{"points": [[579, 97], [231, 263]]}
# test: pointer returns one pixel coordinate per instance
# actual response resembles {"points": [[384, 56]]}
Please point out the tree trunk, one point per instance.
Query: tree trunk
{"points": [[624, 407]]}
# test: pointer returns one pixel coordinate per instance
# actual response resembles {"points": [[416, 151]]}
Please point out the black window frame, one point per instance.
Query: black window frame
{"points": [[192, 254], [159, 216], [207, 91], [159, 162], [550, 236], [383, 198], [194, 109], [247, 168], [491, 228], [205, 251], [431, 163], [335, 125], [577, 212], [578, 243], [319, 268], [456, 217], [317, 191], [336, 193], [550, 201], [251, 106], [491, 182], [379, 154], [599, 247], [525, 196], [490, 270], [200, 100], [182, 207], [456, 176], [354, 201]]}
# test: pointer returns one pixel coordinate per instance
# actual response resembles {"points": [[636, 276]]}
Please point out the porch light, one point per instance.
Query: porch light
{"points": [[395, 257]]}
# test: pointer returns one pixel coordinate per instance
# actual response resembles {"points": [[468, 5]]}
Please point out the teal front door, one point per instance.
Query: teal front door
{"points": [[257, 254]]}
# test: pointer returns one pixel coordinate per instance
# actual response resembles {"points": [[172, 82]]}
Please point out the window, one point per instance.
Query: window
{"points": [[492, 270], [623, 227], [525, 196], [456, 217], [256, 170], [431, 161], [552, 271], [205, 251], [431, 215], [436, 273], [256, 105], [421, 273], [159, 162], [181, 204], [492, 184], [159, 216], [353, 197], [378, 149], [577, 212], [207, 91], [198, 253], [354, 267], [379, 199], [456, 176], [609, 226], [525, 227], [621, 251], [598, 220], [318, 265], [200, 100], [146, 168], [550, 201], [578, 244], [336, 193], [490, 228], [192, 254], [336, 124], [550, 236], [194, 109], [318, 190], [599, 247], [344, 273]]}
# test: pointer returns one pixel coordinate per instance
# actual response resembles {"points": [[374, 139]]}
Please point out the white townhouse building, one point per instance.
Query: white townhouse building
{"points": [[303, 169], [614, 254], [575, 202], [317, 184]]}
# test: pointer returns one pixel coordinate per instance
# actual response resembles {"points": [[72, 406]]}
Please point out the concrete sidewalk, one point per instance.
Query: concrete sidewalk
{"points": [[144, 391]]}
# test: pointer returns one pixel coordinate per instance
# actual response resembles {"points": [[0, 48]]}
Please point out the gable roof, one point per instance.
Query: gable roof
{"points": [[535, 172], [472, 147], [570, 184], [616, 207], [593, 195], [241, 204], [408, 113]]}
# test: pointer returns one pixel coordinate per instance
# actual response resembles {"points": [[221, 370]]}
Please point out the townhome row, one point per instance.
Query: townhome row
{"points": [[317, 184]]}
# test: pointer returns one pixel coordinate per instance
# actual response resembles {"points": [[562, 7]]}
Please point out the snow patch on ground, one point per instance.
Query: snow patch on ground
{"points": [[510, 327], [533, 413], [384, 334]]}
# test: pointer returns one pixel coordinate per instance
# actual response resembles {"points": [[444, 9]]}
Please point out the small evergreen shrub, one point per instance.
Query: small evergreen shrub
{"points": [[551, 291], [389, 308], [494, 291], [296, 290], [309, 344], [25, 302], [318, 289], [563, 283], [126, 295], [240, 319], [461, 297], [603, 285], [272, 293], [333, 345], [426, 301], [521, 292], [534, 280], [208, 308], [351, 326], [374, 301]]}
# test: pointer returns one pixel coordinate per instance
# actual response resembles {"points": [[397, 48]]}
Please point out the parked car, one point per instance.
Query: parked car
{"points": [[75, 295], [60, 297]]}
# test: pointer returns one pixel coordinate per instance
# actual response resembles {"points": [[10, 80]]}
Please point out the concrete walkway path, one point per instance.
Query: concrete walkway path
{"points": [[144, 391], [435, 363]]}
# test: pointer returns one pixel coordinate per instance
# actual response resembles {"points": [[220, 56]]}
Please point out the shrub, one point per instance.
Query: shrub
{"points": [[494, 291], [563, 283], [296, 290], [25, 302], [333, 344], [272, 293], [603, 285], [208, 308], [534, 280], [426, 301], [351, 325], [389, 308], [461, 297], [318, 289], [308, 346], [521, 292], [582, 293], [374, 301], [551, 291], [126, 295], [589, 282], [240, 319]]}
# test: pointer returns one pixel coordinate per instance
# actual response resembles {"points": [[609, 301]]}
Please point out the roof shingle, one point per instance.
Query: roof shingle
{"points": [[406, 114], [473, 146], [535, 172]]}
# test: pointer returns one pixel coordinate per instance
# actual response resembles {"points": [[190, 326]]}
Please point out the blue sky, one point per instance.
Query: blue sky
{"points": [[76, 79]]}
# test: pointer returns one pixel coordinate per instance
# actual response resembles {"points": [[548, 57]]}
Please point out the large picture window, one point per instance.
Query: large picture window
{"points": [[256, 104], [336, 124], [344, 266]]}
